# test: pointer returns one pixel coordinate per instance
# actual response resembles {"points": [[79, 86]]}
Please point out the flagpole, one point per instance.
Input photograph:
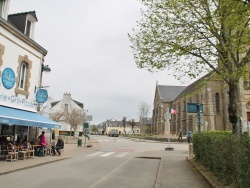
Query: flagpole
{"points": [[169, 131], [168, 120]]}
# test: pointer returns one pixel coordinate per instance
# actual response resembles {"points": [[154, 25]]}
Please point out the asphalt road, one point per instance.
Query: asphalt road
{"points": [[118, 162]]}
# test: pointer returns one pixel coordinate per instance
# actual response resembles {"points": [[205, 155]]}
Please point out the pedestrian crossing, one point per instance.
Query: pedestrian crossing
{"points": [[107, 140], [116, 153]]}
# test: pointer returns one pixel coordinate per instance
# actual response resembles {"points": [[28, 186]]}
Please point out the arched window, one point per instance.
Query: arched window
{"points": [[217, 102], [22, 78]]}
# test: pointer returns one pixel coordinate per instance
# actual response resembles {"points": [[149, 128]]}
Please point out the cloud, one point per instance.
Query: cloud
{"points": [[89, 54]]}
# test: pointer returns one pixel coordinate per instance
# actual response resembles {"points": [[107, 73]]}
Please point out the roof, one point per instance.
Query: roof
{"points": [[169, 93], [78, 103], [19, 20], [8, 25], [194, 85]]}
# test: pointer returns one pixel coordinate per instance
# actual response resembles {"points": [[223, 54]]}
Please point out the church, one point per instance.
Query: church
{"points": [[209, 92]]}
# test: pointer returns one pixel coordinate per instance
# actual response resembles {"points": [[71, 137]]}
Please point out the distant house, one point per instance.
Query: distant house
{"points": [[67, 104], [117, 125]]}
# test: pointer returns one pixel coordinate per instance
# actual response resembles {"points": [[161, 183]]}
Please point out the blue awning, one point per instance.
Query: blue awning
{"points": [[20, 117]]}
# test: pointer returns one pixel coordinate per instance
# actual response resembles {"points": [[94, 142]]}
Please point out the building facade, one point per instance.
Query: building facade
{"points": [[67, 104], [212, 94], [21, 70], [116, 125]]}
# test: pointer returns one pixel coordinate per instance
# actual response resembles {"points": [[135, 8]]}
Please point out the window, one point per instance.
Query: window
{"points": [[217, 102], [4, 6], [28, 28], [66, 107], [1, 7], [197, 98], [22, 78]]}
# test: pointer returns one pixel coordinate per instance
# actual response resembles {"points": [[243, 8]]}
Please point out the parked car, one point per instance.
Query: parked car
{"points": [[113, 134]]}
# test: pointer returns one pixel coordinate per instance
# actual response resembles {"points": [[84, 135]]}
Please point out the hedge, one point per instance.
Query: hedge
{"points": [[226, 155]]}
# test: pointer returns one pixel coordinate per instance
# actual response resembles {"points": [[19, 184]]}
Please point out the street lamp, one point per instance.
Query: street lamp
{"points": [[46, 68]]}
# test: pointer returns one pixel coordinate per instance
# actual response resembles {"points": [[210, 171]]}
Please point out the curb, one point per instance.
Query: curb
{"points": [[206, 175], [27, 167], [159, 174]]}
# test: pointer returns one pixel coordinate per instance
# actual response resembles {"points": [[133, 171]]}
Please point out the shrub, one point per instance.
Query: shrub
{"points": [[224, 154]]}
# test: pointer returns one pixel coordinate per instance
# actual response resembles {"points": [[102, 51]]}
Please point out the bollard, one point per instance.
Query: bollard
{"points": [[79, 142], [190, 151]]}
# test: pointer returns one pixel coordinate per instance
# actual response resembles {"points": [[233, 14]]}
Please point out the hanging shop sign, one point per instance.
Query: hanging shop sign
{"points": [[41, 96], [8, 78]]}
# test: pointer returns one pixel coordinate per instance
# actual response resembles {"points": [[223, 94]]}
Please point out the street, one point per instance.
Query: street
{"points": [[118, 162]]}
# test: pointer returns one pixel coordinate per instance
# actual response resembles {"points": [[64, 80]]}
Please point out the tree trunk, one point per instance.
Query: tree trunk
{"points": [[232, 106]]}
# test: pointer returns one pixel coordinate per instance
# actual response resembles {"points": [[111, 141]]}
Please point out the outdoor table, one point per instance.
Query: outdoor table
{"points": [[35, 146]]}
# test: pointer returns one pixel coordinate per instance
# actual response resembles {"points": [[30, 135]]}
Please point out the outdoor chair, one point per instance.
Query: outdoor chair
{"points": [[12, 154], [23, 152], [31, 151]]}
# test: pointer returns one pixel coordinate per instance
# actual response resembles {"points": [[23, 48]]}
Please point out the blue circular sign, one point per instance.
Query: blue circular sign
{"points": [[8, 78], [41, 96]]}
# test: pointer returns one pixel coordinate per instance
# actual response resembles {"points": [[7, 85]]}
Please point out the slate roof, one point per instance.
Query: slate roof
{"points": [[10, 26], [54, 103], [19, 20], [194, 85], [169, 93], [78, 103]]}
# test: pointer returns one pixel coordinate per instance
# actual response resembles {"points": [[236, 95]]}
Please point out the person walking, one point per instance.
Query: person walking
{"points": [[42, 143], [189, 136], [180, 136]]}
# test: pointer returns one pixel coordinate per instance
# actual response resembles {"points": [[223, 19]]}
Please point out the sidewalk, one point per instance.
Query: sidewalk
{"points": [[70, 150]]}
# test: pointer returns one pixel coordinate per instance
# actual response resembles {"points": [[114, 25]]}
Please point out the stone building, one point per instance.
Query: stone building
{"points": [[209, 91]]}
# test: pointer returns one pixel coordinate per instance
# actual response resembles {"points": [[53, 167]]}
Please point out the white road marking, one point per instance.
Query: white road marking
{"points": [[122, 154], [107, 154], [94, 154]]}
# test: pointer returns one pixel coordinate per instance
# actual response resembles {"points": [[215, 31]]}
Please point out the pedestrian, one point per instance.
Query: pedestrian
{"points": [[180, 136], [42, 144], [53, 147], [59, 145], [189, 136]]}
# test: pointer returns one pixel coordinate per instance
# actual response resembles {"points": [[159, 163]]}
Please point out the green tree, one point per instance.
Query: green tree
{"points": [[194, 37], [94, 128]]}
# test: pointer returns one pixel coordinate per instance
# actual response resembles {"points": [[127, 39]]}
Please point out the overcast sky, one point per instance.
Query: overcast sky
{"points": [[89, 54]]}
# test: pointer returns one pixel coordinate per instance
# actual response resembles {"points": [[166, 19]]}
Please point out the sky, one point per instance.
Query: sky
{"points": [[89, 55]]}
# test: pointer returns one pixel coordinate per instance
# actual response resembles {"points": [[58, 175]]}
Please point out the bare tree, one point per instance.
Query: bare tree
{"points": [[132, 123], [124, 123], [143, 112], [75, 118], [56, 116], [44, 108]]}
